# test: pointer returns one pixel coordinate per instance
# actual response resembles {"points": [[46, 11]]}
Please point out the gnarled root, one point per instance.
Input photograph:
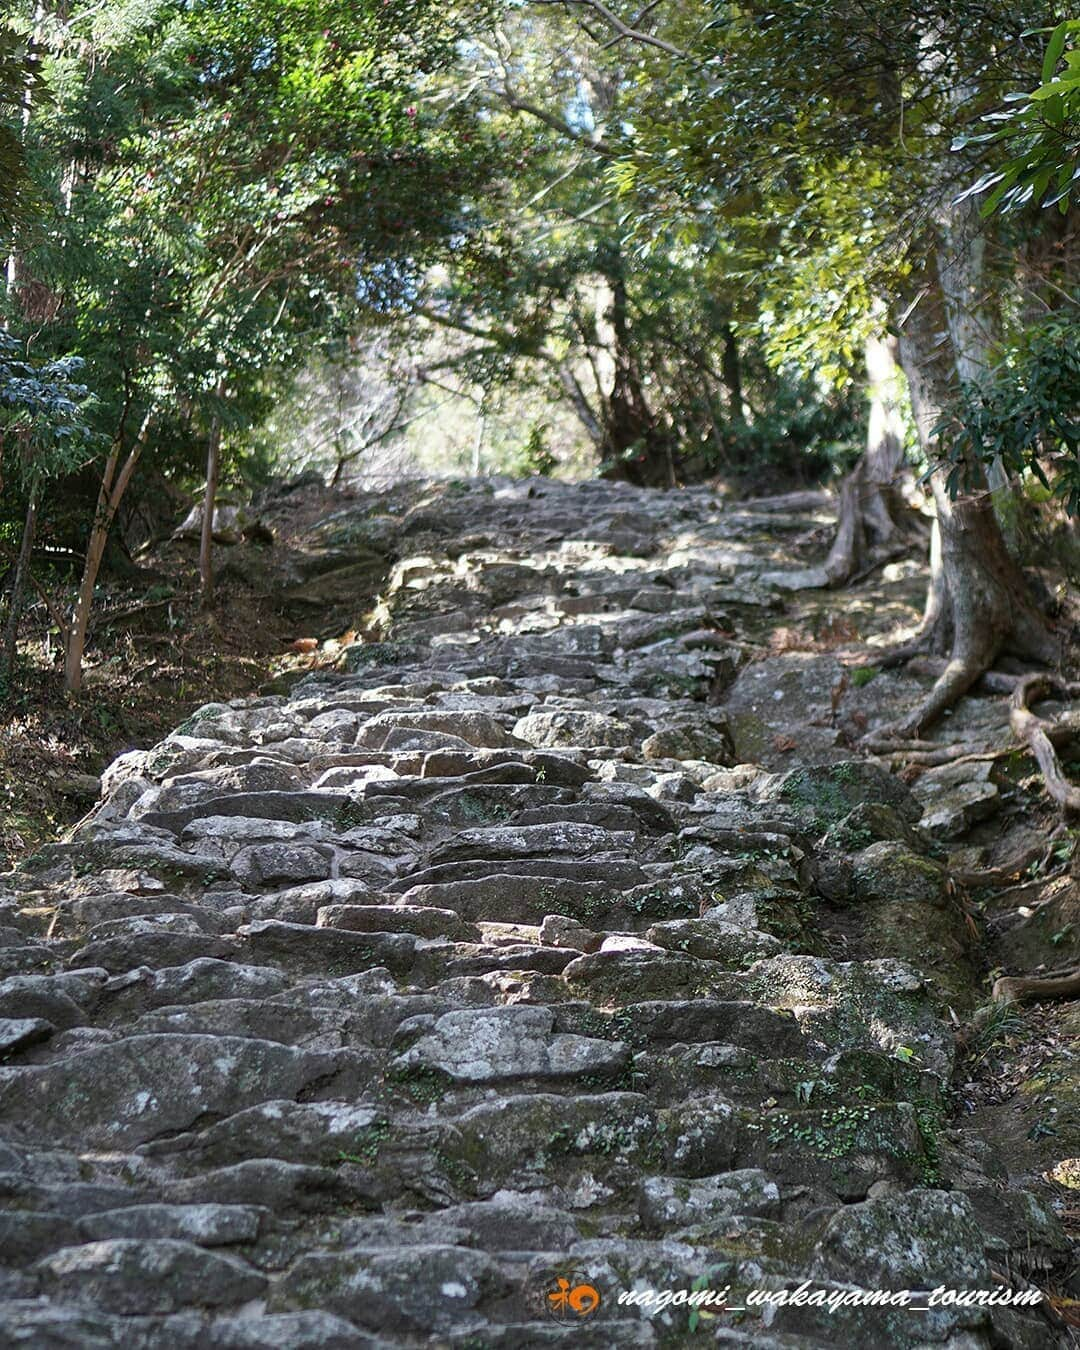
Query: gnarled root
{"points": [[1038, 853], [1037, 736], [1010, 989], [978, 604], [1035, 989]]}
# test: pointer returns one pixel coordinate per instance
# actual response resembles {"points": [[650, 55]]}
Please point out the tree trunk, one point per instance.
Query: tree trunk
{"points": [[636, 449], [581, 406], [478, 440], [871, 507], [113, 487], [978, 604], [731, 373], [18, 589], [206, 540]]}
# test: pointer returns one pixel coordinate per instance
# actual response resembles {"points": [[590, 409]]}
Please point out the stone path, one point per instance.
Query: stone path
{"points": [[359, 1014]]}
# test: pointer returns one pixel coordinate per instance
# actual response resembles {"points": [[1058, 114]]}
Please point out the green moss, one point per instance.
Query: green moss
{"points": [[930, 1120], [420, 1083], [349, 815], [367, 1144], [822, 793], [474, 807], [790, 916], [457, 1173], [832, 1133]]}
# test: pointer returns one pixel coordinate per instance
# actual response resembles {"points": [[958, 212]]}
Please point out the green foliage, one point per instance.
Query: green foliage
{"points": [[216, 181], [235, 167], [677, 259], [42, 416], [805, 430], [1041, 134], [18, 80], [1023, 413], [569, 281], [536, 456]]}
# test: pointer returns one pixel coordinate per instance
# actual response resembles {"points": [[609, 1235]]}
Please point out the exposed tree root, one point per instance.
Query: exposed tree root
{"points": [[1040, 852], [1023, 914], [1036, 989], [871, 530], [930, 754], [790, 503], [872, 515], [1037, 736], [879, 560], [991, 681], [918, 645], [960, 673], [927, 754]]}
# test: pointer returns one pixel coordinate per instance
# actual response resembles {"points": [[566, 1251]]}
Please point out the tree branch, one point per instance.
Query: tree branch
{"points": [[623, 30]]}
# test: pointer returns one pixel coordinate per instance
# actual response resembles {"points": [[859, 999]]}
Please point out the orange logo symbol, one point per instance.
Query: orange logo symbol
{"points": [[570, 1298]]}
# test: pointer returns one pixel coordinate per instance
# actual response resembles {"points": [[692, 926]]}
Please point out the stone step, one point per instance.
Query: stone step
{"points": [[352, 1017]]}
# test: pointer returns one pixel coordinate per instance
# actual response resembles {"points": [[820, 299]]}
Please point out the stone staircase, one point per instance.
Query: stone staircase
{"points": [[358, 1014]]}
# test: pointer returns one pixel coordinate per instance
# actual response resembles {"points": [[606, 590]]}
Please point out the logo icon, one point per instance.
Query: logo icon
{"points": [[569, 1297]]}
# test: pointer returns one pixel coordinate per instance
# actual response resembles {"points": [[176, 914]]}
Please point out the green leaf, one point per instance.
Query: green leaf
{"points": [[1054, 48], [1063, 86]]}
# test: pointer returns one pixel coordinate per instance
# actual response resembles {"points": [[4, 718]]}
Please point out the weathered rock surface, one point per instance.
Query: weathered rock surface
{"points": [[358, 1013]]}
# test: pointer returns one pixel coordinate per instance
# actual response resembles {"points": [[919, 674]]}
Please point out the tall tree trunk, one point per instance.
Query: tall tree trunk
{"points": [[871, 507], [978, 604], [18, 590], [731, 373], [206, 540], [635, 446], [585, 414], [113, 486], [478, 440]]}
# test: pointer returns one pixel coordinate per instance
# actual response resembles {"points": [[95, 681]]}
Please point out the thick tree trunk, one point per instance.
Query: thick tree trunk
{"points": [[18, 590], [206, 541], [871, 507], [635, 447], [113, 486], [978, 603]]}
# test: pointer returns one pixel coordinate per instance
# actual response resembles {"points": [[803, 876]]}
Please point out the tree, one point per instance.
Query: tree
{"points": [[1041, 135], [643, 338], [878, 99], [18, 73], [43, 434], [218, 172]]}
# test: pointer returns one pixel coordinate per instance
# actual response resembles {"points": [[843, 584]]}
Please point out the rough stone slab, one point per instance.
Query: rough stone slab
{"points": [[205, 1225], [133, 1090], [420, 1290], [544, 841], [418, 920], [331, 951], [16, 1033], [314, 1133], [668, 1202], [159, 1275], [495, 1045], [152, 949]]}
